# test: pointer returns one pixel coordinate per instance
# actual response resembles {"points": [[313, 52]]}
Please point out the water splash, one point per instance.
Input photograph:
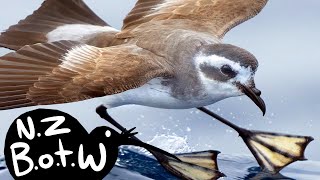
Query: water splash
{"points": [[172, 143]]}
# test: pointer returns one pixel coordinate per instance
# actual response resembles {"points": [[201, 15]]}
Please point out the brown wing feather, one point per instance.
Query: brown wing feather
{"points": [[220, 15], [66, 71], [51, 14]]}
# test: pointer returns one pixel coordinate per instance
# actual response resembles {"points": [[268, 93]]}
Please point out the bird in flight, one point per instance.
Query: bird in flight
{"points": [[168, 54]]}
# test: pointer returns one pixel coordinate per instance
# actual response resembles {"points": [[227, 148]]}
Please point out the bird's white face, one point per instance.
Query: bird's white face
{"points": [[221, 76]]}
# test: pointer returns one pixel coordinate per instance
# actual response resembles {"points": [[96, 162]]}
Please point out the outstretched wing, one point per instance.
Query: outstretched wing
{"points": [[66, 71], [219, 15]]}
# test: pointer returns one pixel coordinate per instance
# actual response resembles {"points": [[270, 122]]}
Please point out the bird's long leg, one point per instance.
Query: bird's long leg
{"points": [[273, 151], [102, 112], [197, 165]]}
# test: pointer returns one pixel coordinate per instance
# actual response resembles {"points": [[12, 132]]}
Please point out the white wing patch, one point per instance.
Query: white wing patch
{"points": [[77, 32]]}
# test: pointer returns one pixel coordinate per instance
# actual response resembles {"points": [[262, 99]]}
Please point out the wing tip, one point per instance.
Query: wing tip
{"points": [[35, 27]]}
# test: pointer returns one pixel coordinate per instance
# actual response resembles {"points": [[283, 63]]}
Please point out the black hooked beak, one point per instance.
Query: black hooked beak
{"points": [[254, 94]]}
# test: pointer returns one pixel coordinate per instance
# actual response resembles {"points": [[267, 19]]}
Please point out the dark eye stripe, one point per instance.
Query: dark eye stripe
{"points": [[227, 70], [213, 73]]}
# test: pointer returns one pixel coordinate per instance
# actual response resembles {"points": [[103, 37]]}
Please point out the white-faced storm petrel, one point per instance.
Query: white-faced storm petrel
{"points": [[168, 54]]}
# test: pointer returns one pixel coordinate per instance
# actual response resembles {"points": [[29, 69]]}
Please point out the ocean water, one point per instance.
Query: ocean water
{"points": [[136, 163]]}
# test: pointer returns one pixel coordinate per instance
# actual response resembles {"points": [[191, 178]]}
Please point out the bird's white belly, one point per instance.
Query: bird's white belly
{"points": [[151, 94]]}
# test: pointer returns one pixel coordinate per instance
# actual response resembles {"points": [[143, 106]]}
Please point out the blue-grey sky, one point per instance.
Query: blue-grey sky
{"points": [[285, 39]]}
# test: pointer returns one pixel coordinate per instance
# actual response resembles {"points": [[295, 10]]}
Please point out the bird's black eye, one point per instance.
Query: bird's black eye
{"points": [[227, 70]]}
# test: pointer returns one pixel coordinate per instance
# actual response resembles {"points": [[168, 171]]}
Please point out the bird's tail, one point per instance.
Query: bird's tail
{"points": [[51, 14], [193, 166]]}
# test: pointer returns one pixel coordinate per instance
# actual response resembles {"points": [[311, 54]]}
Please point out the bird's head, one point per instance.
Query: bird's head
{"points": [[112, 137], [226, 71], [106, 134]]}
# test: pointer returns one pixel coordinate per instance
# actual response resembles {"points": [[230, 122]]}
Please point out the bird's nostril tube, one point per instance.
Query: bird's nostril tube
{"points": [[256, 91]]}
